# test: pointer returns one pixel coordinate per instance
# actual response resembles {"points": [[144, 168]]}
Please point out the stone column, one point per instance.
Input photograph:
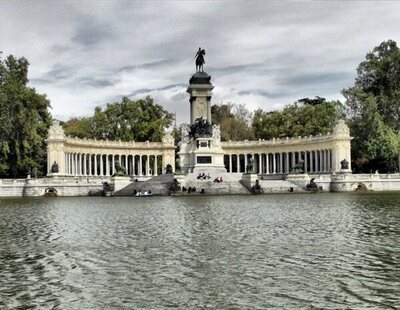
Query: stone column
{"points": [[113, 164], [293, 159], [90, 164], [238, 163], [147, 165], [274, 162], [107, 165], [140, 165], [245, 161], [329, 160], [230, 163], [84, 164], [305, 162], [280, 162], [126, 163], [259, 164], [101, 162], [75, 164], [79, 164], [311, 162], [287, 162], [95, 165], [67, 164], [133, 164], [155, 165], [267, 163]]}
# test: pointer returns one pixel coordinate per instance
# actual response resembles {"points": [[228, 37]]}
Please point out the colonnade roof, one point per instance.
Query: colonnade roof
{"points": [[285, 142], [107, 144]]}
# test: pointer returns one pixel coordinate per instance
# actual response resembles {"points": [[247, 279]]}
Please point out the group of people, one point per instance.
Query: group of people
{"points": [[145, 193], [218, 180], [189, 189], [203, 176]]}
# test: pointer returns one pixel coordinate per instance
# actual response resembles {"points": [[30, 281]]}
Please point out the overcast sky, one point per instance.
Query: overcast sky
{"points": [[264, 54]]}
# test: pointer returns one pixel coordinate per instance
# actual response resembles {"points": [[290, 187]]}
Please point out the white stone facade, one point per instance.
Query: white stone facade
{"points": [[320, 154], [84, 157]]}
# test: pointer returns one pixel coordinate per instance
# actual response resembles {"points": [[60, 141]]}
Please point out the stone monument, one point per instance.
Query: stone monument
{"points": [[200, 146]]}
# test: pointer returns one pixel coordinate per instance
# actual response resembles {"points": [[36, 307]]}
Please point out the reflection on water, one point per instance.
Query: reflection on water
{"points": [[325, 251]]}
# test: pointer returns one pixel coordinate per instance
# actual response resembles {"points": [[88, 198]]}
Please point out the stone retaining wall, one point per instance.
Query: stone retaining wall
{"points": [[85, 186]]}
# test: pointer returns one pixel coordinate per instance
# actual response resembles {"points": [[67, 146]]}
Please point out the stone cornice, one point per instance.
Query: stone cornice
{"points": [[309, 142]]}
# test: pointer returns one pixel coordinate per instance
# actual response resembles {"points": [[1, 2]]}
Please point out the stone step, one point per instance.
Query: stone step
{"points": [[158, 185]]}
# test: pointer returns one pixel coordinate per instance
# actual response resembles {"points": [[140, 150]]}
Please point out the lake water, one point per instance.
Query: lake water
{"points": [[312, 251]]}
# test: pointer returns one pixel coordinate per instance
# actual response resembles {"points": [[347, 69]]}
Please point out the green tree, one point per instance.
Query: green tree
{"points": [[234, 120], [24, 119], [138, 120], [374, 108], [298, 120], [78, 127]]}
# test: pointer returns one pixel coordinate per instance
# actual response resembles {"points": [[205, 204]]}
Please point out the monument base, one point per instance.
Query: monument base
{"points": [[120, 182], [249, 179]]}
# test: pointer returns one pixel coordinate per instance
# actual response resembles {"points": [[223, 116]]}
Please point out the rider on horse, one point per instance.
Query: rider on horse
{"points": [[200, 59]]}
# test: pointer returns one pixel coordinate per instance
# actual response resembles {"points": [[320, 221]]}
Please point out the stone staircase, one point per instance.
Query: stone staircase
{"points": [[281, 186], [230, 184], [158, 185]]}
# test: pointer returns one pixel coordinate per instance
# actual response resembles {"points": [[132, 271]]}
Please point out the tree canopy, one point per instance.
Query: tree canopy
{"points": [[24, 119], [234, 120], [374, 107], [138, 120], [298, 120]]}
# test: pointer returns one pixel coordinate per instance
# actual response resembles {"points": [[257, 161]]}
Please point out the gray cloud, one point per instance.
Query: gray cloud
{"points": [[90, 31], [316, 79], [261, 53], [96, 83]]}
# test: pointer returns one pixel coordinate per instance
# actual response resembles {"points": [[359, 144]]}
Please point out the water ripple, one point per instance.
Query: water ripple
{"points": [[235, 252]]}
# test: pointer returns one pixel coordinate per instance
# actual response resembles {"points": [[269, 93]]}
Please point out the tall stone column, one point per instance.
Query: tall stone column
{"points": [[293, 159], [84, 164], [267, 163], [95, 165], [113, 164], [305, 162], [155, 165], [341, 150], [90, 165], [55, 150], [79, 164], [274, 162], [147, 165], [230, 163], [200, 88], [311, 162], [107, 165], [101, 160], [140, 165]]}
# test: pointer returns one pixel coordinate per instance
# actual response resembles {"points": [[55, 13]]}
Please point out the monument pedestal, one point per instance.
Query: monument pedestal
{"points": [[249, 179], [120, 182], [200, 147]]}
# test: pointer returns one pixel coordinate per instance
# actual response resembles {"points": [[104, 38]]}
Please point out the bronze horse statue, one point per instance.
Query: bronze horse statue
{"points": [[200, 59]]}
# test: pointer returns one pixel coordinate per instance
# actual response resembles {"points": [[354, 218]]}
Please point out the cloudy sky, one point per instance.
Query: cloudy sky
{"points": [[264, 54]]}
